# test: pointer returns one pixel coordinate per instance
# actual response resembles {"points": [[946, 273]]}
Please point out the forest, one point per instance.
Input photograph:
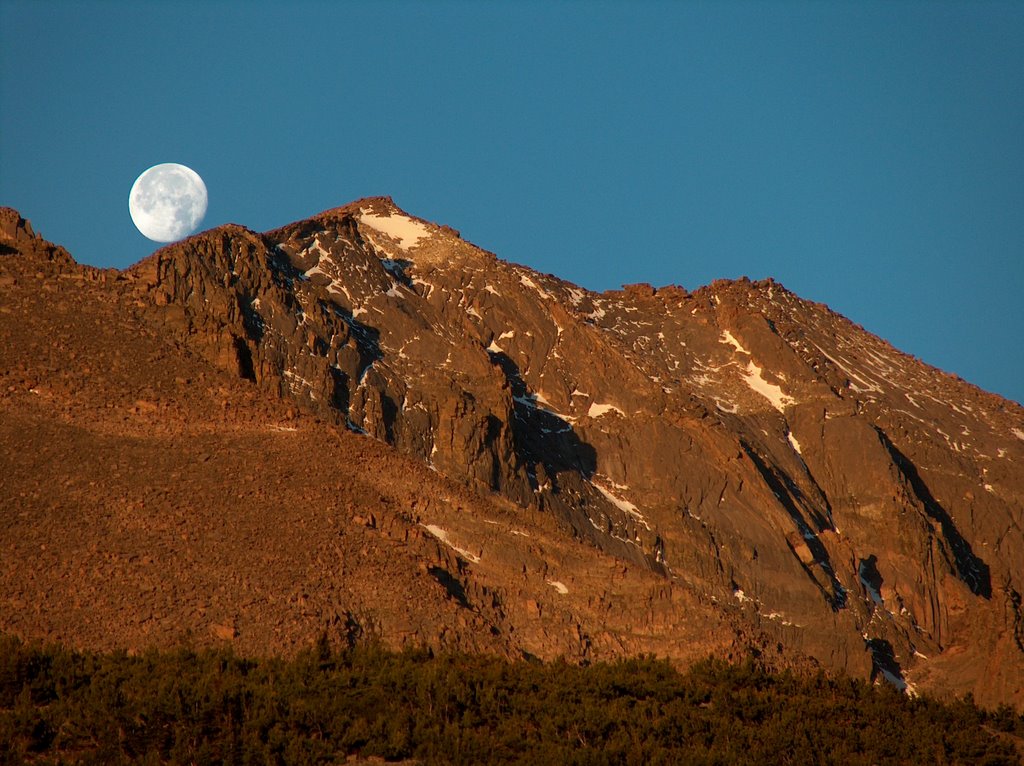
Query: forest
{"points": [[327, 704]]}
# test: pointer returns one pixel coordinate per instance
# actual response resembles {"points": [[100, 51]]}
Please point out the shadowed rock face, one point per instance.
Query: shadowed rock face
{"points": [[759, 456]]}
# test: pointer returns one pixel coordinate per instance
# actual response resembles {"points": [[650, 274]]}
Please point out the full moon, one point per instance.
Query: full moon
{"points": [[167, 202]]}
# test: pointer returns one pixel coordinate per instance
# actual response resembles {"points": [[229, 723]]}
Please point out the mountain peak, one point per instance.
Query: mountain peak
{"points": [[12, 223], [380, 204], [17, 236]]}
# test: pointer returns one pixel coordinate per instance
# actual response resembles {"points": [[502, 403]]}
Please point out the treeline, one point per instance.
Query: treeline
{"points": [[212, 707]]}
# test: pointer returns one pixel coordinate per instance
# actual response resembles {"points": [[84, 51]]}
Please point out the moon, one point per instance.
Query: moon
{"points": [[167, 202]]}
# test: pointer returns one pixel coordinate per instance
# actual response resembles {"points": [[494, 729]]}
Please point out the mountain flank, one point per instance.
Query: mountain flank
{"points": [[362, 424]]}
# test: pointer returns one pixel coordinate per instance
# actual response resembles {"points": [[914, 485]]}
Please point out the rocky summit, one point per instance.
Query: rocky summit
{"points": [[362, 424]]}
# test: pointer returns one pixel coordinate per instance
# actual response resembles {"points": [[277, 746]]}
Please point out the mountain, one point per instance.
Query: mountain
{"points": [[362, 423]]}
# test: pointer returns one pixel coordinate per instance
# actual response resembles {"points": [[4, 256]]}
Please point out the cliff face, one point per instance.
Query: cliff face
{"points": [[752, 461]]}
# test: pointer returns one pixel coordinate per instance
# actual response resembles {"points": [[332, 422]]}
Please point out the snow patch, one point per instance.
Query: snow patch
{"points": [[727, 337], [898, 682], [442, 535], [296, 382], [769, 391], [402, 229], [1018, 433], [559, 586], [622, 505], [315, 246], [875, 595], [597, 410], [725, 406], [337, 287], [778, 617], [794, 442], [533, 400], [843, 365], [756, 380], [741, 596]]}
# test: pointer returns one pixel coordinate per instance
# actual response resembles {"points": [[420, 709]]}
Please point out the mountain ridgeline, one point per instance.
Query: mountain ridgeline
{"points": [[734, 470]]}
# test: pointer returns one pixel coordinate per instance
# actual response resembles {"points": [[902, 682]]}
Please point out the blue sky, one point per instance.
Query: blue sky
{"points": [[867, 155]]}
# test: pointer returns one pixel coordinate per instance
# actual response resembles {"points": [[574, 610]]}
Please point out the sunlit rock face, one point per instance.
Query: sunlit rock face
{"points": [[764, 459]]}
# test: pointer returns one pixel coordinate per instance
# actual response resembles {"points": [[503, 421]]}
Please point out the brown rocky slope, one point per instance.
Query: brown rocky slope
{"points": [[552, 471]]}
